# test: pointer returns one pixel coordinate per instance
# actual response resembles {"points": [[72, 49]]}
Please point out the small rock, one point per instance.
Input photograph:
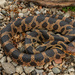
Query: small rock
{"points": [[19, 69], [2, 2], [8, 67], [39, 67], [1, 55], [72, 73], [45, 66], [23, 74], [71, 70], [39, 71], [4, 12], [1, 16], [9, 59], [34, 73], [24, 10], [20, 14], [28, 69], [67, 14], [0, 9], [0, 68], [3, 59], [31, 4], [12, 14], [19, 10], [66, 74], [60, 13], [15, 74], [37, 12], [50, 73], [15, 64], [56, 70]]}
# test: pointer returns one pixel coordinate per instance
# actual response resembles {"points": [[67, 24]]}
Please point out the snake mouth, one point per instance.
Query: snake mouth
{"points": [[70, 50]]}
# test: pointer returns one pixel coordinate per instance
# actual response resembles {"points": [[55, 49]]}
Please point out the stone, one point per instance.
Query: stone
{"points": [[1, 16], [19, 69], [9, 59], [24, 10], [15, 74], [1, 55], [12, 14], [20, 14], [3, 59], [46, 65], [39, 67], [50, 73], [37, 12], [67, 14], [56, 70], [65, 74], [31, 4], [72, 73], [71, 70], [34, 73], [39, 71], [8, 67], [2, 2], [23, 74], [28, 69], [15, 64], [4, 12], [19, 10]]}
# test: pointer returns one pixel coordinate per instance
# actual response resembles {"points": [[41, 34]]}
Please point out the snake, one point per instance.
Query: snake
{"points": [[52, 45]]}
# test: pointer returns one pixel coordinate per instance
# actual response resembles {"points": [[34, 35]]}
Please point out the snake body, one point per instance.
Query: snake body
{"points": [[54, 47]]}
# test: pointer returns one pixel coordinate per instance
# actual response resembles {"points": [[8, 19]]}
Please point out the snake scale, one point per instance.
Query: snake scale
{"points": [[53, 47]]}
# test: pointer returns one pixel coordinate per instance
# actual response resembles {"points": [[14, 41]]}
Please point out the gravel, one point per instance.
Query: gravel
{"points": [[12, 10]]}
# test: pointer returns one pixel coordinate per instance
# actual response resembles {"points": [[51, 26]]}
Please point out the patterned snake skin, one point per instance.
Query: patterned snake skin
{"points": [[54, 46]]}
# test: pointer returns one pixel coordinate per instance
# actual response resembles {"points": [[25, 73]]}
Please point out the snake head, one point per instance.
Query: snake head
{"points": [[70, 50]]}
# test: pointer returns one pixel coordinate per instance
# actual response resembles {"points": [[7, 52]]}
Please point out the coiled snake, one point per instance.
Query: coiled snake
{"points": [[53, 47]]}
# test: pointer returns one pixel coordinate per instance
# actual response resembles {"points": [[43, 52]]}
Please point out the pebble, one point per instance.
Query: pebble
{"points": [[4, 12], [39, 67], [1, 16], [60, 13], [67, 14], [1, 55], [28, 69], [24, 10], [3, 59], [31, 4], [45, 66], [12, 14], [34, 73], [19, 69], [39, 71], [56, 70], [71, 70], [23, 74], [0, 9], [66, 74], [72, 73], [8, 67], [37, 12], [50, 73], [9, 59], [20, 14], [15, 64], [15, 74], [2, 2], [19, 10]]}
